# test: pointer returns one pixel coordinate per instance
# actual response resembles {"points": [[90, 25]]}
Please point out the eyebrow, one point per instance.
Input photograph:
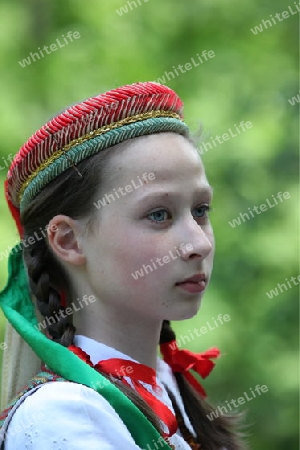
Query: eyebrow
{"points": [[207, 190]]}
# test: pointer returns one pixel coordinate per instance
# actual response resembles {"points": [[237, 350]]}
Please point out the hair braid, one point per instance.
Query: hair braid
{"points": [[215, 434], [59, 326]]}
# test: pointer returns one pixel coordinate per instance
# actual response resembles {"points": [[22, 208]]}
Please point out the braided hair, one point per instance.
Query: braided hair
{"points": [[39, 260], [210, 434], [47, 279]]}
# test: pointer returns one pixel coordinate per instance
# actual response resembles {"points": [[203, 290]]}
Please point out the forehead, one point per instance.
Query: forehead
{"points": [[168, 155]]}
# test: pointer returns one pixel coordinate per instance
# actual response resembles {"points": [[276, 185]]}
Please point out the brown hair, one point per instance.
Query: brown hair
{"points": [[74, 195]]}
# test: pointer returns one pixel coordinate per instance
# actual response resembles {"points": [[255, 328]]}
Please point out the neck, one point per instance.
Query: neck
{"points": [[133, 336]]}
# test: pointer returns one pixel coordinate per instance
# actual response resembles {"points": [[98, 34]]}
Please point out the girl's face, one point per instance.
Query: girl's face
{"points": [[154, 232]]}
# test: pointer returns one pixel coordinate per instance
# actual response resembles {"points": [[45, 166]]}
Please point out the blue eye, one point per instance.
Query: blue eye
{"points": [[160, 215], [202, 210]]}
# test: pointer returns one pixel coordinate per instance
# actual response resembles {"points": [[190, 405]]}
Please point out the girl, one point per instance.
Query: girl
{"points": [[111, 202]]}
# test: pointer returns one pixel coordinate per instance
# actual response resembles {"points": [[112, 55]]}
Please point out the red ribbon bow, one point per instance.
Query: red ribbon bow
{"points": [[184, 360]]}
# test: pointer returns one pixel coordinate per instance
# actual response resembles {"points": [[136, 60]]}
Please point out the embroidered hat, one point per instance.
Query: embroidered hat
{"points": [[78, 133], [85, 129]]}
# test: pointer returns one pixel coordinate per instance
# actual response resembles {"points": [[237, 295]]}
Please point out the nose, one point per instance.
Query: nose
{"points": [[197, 240]]}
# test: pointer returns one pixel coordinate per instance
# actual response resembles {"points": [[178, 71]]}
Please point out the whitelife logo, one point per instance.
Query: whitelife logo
{"points": [[53, 47], [294, 100], [161, 261], [184, 338], [31, 420], [3, 346], [7, 161], [279, 16], [109, 198], [241, 400], [187, 66], [244, 126], [18, 246], [274, 292], [51, 320], [262, 208], [132, 5]]}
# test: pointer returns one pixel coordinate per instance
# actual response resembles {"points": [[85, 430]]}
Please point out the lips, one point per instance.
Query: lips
{"points": [[197, 278], [194, 284]]}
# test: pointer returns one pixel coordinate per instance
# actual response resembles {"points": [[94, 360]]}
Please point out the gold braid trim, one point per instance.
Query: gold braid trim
{"points": [[58, 153]]}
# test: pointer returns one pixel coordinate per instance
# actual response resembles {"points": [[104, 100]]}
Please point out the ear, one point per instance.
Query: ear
{"points": [[64, 237]]}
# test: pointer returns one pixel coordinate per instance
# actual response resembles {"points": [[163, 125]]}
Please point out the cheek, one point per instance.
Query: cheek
{"points": [[139, 287], [132, 254]]}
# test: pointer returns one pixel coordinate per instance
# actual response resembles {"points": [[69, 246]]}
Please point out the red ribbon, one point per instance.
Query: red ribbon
{"points": [[121, 368], [184, 360], [81, 354]]}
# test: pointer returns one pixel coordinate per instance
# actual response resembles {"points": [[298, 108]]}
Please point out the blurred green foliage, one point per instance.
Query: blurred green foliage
{"points": [[250, 78]]}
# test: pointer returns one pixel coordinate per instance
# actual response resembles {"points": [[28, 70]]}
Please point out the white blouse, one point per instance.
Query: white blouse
{"points": [[70, 416]]}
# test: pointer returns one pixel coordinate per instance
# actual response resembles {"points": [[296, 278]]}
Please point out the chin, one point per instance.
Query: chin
{"points": [[185, 313]]}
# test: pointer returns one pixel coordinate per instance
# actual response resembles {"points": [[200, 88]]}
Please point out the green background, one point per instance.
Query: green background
{"points": [[251, 79]]}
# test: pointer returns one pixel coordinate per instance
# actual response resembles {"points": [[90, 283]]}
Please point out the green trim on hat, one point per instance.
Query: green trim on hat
{"points": [[94, 145], [19, 309]]}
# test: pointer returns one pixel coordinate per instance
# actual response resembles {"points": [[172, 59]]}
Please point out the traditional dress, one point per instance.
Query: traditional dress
{"points": [[61, 415]]}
